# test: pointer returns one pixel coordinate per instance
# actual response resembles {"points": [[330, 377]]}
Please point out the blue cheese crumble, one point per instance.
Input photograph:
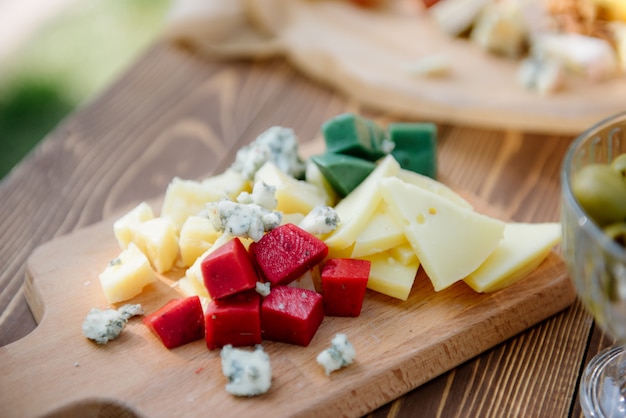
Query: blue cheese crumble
{"points": [[321, 220], [263, 289], [102, 326], [278, 145], [249, 373], [340, 354], [242, 220]]}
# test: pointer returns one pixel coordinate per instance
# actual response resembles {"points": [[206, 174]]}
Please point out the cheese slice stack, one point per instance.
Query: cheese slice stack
{"points": [[450, 241]]}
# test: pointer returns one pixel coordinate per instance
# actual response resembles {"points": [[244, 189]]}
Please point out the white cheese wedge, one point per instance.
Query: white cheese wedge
{"points": [[356, 209], [157, 239], [293, 195], [125, 276], [381, 234], [123, 227], [523, 248], [450, 241], [391, 277]]}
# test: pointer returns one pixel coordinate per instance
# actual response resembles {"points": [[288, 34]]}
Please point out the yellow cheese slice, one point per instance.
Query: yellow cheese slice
{"points": [[404, 253], [450, 241], [380, 234], [356, 209], [434, 186], [523, 248], [391, 277]]}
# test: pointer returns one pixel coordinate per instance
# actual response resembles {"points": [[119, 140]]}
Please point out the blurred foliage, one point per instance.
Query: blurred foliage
{"points": [[66, 63]]}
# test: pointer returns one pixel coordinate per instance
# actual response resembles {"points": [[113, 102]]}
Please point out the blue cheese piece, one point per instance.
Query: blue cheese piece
{"points": [[321, 220], [340, 354], [103, 326], [542, 75], [249, 373], [278, 145], [592, 57], [242, 220], [263, 289]]}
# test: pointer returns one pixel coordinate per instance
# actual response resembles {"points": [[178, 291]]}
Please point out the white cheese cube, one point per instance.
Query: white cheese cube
{"points": [[123, 227], [125, 276], [157, 239], [500, 29], [229, 183], [196, 236], [185, 198], [293, 195]]}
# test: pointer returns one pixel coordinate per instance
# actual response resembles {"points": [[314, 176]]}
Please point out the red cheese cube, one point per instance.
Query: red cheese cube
{"points": [[344, 281], [178, 322], [228, 270], [286, 253], [291, 315], [234, 320]]}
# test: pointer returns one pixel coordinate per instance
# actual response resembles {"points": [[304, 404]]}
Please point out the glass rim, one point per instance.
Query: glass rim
{"points": [[596, 233]]}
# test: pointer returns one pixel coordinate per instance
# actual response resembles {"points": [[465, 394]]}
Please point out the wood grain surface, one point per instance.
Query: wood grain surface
{"points": [[173, 113]]}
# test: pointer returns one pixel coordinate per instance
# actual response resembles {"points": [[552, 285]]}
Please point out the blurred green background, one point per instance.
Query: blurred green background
{"points": [[66, 62]]}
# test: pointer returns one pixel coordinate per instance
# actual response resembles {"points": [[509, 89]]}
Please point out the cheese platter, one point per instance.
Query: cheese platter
{"points": [[399, 344]]}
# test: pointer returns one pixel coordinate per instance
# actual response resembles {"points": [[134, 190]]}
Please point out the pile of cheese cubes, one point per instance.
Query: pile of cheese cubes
{"points": [[395, 217]]}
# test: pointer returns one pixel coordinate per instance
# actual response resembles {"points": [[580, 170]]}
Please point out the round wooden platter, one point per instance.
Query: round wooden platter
{"points": [[399, 344], [367, 56]]}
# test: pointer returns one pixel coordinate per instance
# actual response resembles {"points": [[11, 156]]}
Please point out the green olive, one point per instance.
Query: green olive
{"points": [[617, 232], [601, 192], [619, 164]]}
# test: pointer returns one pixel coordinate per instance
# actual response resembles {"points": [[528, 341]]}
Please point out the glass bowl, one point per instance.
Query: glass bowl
{"points": [[597, 267]]}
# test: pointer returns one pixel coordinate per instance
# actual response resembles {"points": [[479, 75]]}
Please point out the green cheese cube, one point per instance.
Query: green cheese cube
{"points": [[343, 172], [415, 146], [351, 134]]}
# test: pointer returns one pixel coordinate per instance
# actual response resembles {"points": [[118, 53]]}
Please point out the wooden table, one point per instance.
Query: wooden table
{"points": [[176, 114]]}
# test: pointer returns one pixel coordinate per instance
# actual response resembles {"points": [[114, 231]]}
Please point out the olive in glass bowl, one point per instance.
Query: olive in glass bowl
{"points": [[593, 217]]}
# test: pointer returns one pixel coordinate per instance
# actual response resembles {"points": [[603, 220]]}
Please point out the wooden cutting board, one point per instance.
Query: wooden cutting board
{"points": [[55, 370]]}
